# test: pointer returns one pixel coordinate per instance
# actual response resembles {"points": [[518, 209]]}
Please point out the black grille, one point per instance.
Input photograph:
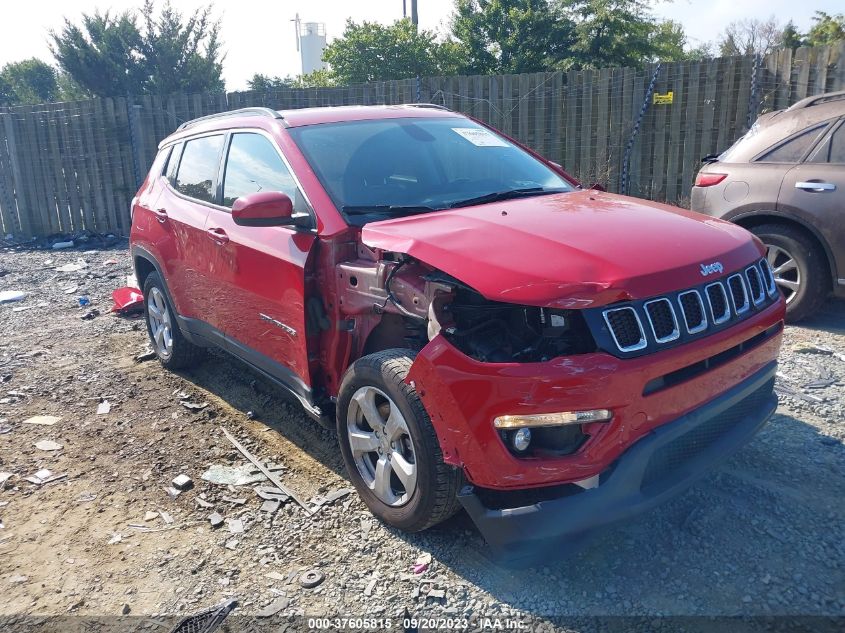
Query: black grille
{"points": [[668, 459], [718, 301], [754, 285], [693, 313], [768, 280], [662, 319], [737, 289], [625, 327]]}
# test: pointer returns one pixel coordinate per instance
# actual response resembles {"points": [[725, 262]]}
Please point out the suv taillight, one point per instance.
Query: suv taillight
{"points": [[708, 180]]}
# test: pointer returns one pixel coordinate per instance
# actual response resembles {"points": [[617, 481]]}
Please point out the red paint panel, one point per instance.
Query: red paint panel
{"points": [[569, 250]]}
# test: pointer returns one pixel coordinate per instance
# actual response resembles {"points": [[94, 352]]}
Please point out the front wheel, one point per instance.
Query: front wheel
{"points": [[170, 345], [390, 447]]}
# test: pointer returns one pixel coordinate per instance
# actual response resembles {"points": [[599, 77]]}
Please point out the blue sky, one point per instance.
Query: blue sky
{"points": [[259, 36]]}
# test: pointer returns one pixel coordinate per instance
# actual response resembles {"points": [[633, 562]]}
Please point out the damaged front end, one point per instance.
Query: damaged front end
{"points": [[391, 300]]}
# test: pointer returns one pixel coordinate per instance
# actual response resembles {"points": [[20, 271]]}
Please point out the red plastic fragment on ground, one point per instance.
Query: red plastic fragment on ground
{"points": [[127, 300]]}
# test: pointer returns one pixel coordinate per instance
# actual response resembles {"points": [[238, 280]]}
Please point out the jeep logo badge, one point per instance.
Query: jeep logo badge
{"points": [[709, 269]]}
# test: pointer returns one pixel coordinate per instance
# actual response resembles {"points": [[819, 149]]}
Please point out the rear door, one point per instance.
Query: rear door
{"points": [[815, 191], [260, 272], [183, 206]]}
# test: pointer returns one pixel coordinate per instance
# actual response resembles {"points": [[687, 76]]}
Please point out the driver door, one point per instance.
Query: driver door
{"points": [[261, 270]]}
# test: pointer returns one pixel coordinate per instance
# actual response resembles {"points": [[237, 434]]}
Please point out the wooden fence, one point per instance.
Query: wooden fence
{"points": [[68, 167]]}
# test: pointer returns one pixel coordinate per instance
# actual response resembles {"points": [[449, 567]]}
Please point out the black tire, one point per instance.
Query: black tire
{"points": [[183, 353], [435, 496], [812, 265]]}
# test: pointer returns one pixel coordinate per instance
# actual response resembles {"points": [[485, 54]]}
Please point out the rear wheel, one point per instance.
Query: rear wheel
{"points": [[172, 348], [389, 445], [799, 268]]}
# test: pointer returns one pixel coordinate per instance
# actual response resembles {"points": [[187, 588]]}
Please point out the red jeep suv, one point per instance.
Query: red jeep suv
{"points": [[480, 330]]}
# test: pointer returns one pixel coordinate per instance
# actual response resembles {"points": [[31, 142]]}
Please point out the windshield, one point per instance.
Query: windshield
{"points": [[386, 168]]}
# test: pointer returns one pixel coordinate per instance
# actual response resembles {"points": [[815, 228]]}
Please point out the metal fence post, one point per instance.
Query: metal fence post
{"points": [[133, 113], [753, 99], [623, 179]]}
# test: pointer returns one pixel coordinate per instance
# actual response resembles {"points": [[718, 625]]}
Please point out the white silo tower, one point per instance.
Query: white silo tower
{"points": [[312, 43]]}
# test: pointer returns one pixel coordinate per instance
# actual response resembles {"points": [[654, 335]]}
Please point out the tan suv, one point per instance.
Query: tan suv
{"points": [[785, 182]]}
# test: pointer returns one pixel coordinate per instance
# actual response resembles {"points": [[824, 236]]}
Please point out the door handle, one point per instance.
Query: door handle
{"points": [[217, 235], [815, 187], [160, 214]]}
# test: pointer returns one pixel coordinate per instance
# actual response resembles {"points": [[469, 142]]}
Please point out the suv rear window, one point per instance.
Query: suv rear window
{"points": [[198, 168], [794, 149]]}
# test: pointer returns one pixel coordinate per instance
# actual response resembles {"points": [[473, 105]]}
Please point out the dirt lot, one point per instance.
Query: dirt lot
{"points": [[762, 536]]}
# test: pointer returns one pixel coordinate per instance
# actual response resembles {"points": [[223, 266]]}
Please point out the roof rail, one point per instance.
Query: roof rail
{"points": [[434, 106], [818, 100], [241, 112]]}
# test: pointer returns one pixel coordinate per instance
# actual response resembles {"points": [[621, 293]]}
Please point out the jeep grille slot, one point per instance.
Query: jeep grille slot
{"points": [[692, 307], [739, 295], [768, 277], [718, 300], [625, 328], [662, 319], [755, 285]]}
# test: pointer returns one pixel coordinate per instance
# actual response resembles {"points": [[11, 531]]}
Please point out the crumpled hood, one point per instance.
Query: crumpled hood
{"points": [[570, 250]]}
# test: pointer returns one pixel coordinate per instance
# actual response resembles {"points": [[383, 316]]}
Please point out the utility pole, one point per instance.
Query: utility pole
{"points": [[414, 17]]}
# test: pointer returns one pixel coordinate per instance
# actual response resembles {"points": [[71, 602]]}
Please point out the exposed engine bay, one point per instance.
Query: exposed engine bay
{"points": [[399, 301]]}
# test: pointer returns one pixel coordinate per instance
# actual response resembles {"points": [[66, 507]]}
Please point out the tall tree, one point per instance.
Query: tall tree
{"points": [[791, 37], [750, 37], [509, 36], [111, 54], [827, 29], [181, 55], [28, 81], [612, 32], [374, 52], [102, 55]]}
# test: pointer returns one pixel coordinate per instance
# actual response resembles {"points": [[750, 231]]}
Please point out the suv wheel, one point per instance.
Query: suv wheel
{"points": [[798, 267], [389, 445], [172, 348]]}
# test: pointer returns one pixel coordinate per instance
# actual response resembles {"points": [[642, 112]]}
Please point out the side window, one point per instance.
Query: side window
{"points": [[837, 146], [173, 163], [254, 165], [794, 149], [198, 167]]}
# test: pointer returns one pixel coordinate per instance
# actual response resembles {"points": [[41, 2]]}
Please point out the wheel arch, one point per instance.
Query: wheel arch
{"points": [[754, 220]]}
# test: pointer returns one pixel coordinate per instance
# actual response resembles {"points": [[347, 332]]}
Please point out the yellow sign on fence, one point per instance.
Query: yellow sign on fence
{"points": [[666, 99]]}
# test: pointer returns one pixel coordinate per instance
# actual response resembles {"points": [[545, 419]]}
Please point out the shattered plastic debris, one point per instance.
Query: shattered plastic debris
{"points": [[193, 406], [116, 537], [42, 420], [273, 608], [422, 563], [183, 482], [7, 296], [62, 245], [104, 407], [4, 477], [72, 268], [127, 300], [48, 445], [233, 475]]}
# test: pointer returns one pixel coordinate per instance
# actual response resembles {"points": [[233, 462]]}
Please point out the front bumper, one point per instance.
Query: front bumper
{"points": [[657, 467]]}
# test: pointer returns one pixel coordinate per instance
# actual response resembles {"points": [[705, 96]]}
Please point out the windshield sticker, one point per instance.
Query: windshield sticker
{"points": [[480, 137]]}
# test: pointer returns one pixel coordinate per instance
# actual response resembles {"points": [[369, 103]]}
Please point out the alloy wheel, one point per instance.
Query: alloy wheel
{"points": [[786, 272], [381, 446], [161, 329]]}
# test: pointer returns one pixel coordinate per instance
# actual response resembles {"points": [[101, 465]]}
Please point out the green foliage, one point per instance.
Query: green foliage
{"points": [[316, 79], [509, 36], [28, 81], [374, 52], [791, 37], [611, 32], [827, 29], [111, 55], [266, 83]]}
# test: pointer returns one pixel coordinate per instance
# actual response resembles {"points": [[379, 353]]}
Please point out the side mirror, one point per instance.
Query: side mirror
{"points": [[265, 208]]}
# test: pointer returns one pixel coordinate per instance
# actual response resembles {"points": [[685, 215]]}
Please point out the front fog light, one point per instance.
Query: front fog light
{"points": [[552, 419], [521, 439]]}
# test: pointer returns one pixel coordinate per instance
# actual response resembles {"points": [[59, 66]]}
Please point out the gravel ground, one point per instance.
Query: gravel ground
{"points": [[762, 536]]}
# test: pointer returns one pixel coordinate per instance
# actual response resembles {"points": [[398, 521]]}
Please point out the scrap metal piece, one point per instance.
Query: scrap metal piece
{"points": [[206, 621], [311, 578], [275, 480]]}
